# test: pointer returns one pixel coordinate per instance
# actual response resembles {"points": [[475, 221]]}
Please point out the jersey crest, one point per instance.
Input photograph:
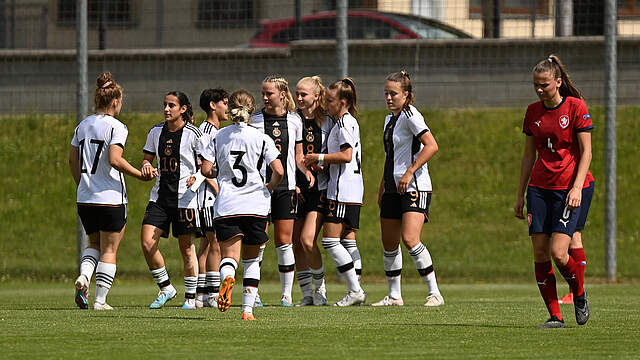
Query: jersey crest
{"points": [[564, 121]]}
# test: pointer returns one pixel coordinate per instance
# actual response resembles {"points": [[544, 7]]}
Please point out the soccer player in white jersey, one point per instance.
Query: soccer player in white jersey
{"points": [[244, 199], [281, 123], [176, 143], [404, 194], [345, 190], [214, 102], [97, 166], [311, 199]]}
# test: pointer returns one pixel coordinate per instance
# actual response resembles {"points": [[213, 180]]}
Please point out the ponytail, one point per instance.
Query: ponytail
{"points": [[347, 91], [106, 91], [404, 79], [553, 65]]}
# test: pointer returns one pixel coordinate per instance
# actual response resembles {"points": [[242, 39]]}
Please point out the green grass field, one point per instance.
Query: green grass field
{"points": [[40, 320]]}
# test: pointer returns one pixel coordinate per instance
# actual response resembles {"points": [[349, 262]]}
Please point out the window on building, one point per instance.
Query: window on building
{"points": [[628, 8], [225, 13], [513, 8], [114, 12]]}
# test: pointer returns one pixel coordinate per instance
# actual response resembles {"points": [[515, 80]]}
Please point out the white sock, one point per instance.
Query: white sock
{"points": [[261, 253], [305, 282], [250, 283], [202, 283], [190, 285], [161, 276], [352, 248], [90, 257], [286, 265], [343, 261], [318, 277], [422, 258], [393, 268], [105, 273], [228, 267], [212, 282]]}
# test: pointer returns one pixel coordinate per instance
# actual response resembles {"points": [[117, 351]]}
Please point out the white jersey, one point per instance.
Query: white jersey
{"points": [[402, 145], [176, 153], [345, 180], [100, 183], [239, 151], [206, 197], [286, 132]]}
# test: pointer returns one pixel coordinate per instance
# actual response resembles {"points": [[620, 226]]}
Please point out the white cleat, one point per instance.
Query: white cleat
{"points": [[320, 296], [101, 306], [434, 300], [352, 299], [189, 304], [389, 301], [211, 300]]}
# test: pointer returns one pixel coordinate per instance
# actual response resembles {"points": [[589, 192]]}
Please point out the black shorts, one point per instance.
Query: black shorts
{"points": [[547, 211], [206, 220], [182, 221], [284, 204], [395, 204], [252, 229], [315, 200], [102, 218], [343, 213]]}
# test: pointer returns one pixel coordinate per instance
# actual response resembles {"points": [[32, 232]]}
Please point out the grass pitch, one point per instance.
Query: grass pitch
{"points": [[478, 321]]}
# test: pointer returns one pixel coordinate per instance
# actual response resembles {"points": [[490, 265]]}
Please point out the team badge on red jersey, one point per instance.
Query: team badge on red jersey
{"points": [[564, 121]]}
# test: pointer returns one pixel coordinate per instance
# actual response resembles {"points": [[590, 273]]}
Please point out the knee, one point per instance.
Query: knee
{"points": [[559, 257]]}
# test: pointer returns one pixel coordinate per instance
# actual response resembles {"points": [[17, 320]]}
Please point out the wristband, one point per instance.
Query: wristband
{"points": [[199, 180], [320, 158], [146, 164]]}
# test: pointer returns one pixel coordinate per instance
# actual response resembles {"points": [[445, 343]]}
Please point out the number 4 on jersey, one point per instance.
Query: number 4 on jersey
{"points": [[550, 145]]}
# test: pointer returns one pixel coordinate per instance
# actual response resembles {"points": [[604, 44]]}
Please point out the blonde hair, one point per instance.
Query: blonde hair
{"points": [[106, 91], [553, 65], [317, 88], [282, 85], [347, 91], [241, 106]]}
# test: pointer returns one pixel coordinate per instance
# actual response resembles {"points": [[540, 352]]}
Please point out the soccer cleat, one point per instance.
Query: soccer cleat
{"points": [[581, 307], [320, 296], [200, 300], [101, 306], [211, 300], [352, 299], [82, 292], [224, 298], [258, 302], [567, 299], [389, 301], [306, 301], [166, 294], [552, 323], [286, 301], [434, 300], [189, 304], [248, 316]]}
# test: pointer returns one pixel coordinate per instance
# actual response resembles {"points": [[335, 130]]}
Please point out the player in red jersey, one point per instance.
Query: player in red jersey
{"points": [[559, 185]]}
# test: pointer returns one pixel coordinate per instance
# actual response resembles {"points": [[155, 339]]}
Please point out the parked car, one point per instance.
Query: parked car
{"points": [[361, 25]]}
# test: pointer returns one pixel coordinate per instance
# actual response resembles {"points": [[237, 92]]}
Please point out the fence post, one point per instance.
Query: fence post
{"points": [[81, 93], [564, 18], [342, 50], [610, 94]]}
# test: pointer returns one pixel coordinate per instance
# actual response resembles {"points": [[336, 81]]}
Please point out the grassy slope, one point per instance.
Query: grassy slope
{"points": [[473, 236]]}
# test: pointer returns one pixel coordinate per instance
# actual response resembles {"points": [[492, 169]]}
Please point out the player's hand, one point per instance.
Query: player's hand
{"points": [[310, 159], [191, 180], [310, 178], [403, 183], [299, 194], [317, 168], [148, 171], [574, 198], [519, 207]]}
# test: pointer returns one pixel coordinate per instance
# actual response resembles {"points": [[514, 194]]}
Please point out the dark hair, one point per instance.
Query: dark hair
{"points": [[209, 95], [553, 65], [183, 100], [106, 91], [347, 91], [404, 79]]}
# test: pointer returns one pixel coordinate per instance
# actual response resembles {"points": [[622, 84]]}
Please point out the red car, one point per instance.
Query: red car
{"points": [[362, 24]]}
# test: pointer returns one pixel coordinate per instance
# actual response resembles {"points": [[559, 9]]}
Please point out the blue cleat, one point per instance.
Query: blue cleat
{"points": [[164, 296], [286, 301], [82, 292]]}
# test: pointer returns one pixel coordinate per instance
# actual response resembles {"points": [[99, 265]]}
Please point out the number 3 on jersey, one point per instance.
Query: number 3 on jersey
{"points": [[237, 165]]}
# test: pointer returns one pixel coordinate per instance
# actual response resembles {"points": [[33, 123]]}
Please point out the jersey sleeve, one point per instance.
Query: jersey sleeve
{"points": [[270, 151], [526, 123], [74, 141], [345, 137], [150, 146], [583, 118], [119, 135], [209, 151], [417, 126], [298, 122]]}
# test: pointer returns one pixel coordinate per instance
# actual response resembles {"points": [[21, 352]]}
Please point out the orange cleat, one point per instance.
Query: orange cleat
{"points": [[224, 299], [247, 316], [567, 299]]}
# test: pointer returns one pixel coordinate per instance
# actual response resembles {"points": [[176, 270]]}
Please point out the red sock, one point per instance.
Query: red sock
{"points": [[547, 286], [580, 258], [570, 273]]}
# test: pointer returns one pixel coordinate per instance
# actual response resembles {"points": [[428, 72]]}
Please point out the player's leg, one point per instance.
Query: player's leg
{"points": [[190, 269], [150, 238], [106, 269], [212, 278], [230, 253], [546, 279], [308, 238], [203, 251], [283, 233], [303, 273], [90, 255], [392, 260]]}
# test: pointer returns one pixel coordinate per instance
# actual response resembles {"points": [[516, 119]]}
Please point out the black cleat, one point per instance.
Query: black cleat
{"points": [[581, 307], [552, 323]]}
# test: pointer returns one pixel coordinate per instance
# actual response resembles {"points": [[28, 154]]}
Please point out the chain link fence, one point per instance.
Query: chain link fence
{"points": [[459, 52]]}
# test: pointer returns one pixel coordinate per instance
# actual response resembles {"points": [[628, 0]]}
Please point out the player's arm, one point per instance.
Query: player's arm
{"points": [[574, 198], [302, 166], [74, 163], [147, 170], [276, 174], [526, 165], [427, 152], [343, 156], [121, 164], [207, 169]]}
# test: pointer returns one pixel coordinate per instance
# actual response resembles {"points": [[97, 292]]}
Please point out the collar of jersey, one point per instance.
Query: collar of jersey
{"points": [[555, 107]]}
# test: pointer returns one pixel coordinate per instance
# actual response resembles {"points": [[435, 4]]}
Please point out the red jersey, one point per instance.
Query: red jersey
{"points": [[556, 136]]}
